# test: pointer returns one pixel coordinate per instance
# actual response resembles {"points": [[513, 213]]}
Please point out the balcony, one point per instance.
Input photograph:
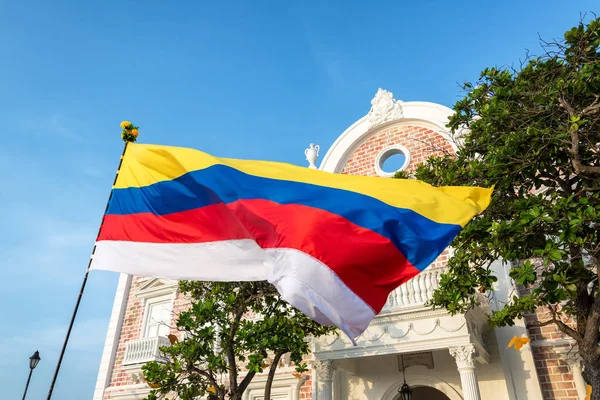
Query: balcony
{"points": [[145, 350], [417, 291]]}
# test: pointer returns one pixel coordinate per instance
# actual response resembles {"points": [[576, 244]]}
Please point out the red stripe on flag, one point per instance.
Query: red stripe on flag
{"points": [[368, 263]]}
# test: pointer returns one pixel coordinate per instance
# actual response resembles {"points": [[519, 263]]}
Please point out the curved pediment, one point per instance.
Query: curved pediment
{"points": [[389, 125]]}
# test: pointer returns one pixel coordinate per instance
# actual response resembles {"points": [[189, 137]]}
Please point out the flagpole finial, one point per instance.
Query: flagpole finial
{"points": [[130, 132], [312, 153]]}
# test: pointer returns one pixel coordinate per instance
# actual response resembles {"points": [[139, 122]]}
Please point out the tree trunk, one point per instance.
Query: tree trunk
{"points": [[591, 375], [271, 375]]}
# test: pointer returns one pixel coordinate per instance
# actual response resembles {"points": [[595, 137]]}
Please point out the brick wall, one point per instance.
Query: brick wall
{"points": [[421, 142], [554, 373], [132, 330], [306, 389], [549, 348]]}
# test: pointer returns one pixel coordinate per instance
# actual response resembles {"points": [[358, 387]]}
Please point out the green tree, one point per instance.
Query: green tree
{"points": [[534, 133], [232, 332]]}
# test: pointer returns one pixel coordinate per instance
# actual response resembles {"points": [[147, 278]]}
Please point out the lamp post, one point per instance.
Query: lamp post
{"points": [[405, 391], [33, 362]]}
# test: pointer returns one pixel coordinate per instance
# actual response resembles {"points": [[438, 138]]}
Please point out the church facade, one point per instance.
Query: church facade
{"points": [[441, 357]]}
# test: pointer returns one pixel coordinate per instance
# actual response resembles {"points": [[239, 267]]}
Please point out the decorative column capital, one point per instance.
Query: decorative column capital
{"points": [[464, 356], [465, 362], [324, 370]]}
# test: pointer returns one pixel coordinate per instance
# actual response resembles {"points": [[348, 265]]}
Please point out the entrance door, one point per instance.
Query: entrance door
{"points": [[426, 393]]}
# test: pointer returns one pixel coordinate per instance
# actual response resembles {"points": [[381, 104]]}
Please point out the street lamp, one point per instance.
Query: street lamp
{"points": [[33, 362], [405, 391]]}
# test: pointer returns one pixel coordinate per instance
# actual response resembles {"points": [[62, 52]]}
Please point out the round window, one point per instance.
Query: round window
{"points": [[391, 160]]}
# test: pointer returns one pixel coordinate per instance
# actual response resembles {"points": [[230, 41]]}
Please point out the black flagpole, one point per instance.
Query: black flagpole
{"points": [[87, 272]]}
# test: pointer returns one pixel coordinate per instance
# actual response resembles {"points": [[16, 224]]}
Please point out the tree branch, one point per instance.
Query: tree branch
{"points": [[246, 381], [585, 190], [271, 376], [233, 372], [208, 376], [592, 108], [564, 327], [585, 170], [248, 378], [538, 324]]}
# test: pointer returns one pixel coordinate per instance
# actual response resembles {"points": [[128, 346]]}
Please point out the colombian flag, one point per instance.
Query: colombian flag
{"points": [[334, 245]]}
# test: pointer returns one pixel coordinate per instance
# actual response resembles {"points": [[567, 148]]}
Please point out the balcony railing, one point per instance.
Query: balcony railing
{"points": [[416, 291], [144, 350]]}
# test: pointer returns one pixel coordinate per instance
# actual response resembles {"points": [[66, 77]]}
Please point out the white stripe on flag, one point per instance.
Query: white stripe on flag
{"points": [[317, 291], [303, 281], [228, 260]]}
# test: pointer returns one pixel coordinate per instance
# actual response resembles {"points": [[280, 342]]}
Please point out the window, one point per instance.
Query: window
{"points": [[157, 297], [391, 160], [157, 319]]}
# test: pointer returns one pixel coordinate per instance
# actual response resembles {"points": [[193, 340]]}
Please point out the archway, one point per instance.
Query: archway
{"points": [[389, 113], [424, 387], [426, 393]]}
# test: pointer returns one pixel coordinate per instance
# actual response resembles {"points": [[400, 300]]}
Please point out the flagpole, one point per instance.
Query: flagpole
{"points": [[85, 278]]}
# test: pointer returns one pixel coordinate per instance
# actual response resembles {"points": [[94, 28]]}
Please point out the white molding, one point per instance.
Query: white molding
{"points": [[553, 342], [431, 115], [113, 334], [135, 373], [407, 314], [477, 323], [156, 287], [129, 392], [388, 152], [339, 148], [398, 336], [287, 385], [415, 381]]}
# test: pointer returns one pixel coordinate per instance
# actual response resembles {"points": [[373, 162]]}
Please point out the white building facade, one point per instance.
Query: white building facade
{"points": [[443, 357]]}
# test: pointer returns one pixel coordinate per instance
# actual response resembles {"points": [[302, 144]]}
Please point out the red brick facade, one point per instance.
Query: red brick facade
{"points": [[421, 142], [556, 378], [132, 326]]}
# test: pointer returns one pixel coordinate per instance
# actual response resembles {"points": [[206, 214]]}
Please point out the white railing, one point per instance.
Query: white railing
{"points": [[144, 350], [416, 291]]}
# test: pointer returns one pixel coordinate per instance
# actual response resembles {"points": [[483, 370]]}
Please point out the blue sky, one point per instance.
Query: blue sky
{"points": [[236, 80]]}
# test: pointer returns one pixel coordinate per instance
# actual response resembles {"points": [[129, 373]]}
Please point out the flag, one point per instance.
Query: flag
{"points": [[333, 245]]}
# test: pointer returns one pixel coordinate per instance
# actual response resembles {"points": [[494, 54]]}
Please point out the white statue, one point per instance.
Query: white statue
{"points": [[384, 108], [311, 155]]}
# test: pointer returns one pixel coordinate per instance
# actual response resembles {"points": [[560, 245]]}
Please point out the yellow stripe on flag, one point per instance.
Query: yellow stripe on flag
{"points": [[145, 165]]}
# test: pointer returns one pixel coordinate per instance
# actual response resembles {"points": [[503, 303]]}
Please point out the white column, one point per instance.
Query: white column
{"points": [[580, 385], [324, 370], [465, 363], [112, 336]]}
